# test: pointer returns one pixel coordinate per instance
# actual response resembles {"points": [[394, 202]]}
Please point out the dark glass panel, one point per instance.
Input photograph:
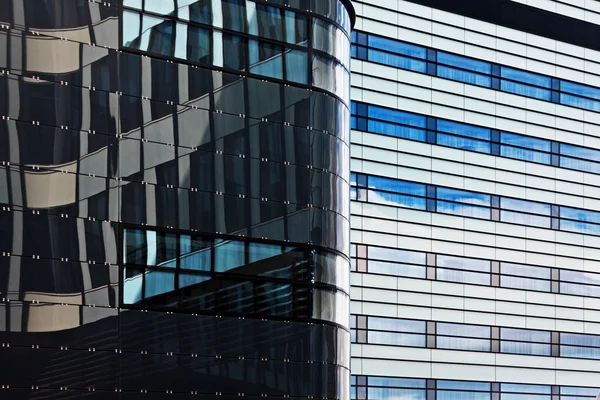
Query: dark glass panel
{"points": [[235, 52]]}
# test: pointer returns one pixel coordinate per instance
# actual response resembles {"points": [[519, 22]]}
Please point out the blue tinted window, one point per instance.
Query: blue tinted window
{"points": [[394, 393], [398, 200], [463, 143], [395, 46], [396, 382], [397, 61], [581, 90], [578, 214], [581, 227], [525, 206], [460, 395], [579, 352], [462, 73], [580, 165], [525, 335], [579, 102], [460, 385], [399, 131], [463, 196], [525, 82], [463, 209], [463, 129], [395, 185], [580, 289], [526, 77], [525, 155], [579, 152], [525, 142], [580, 277], [396, 325], [396, 116]]}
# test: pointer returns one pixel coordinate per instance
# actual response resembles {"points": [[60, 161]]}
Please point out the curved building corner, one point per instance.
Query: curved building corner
{"points": [[175, 199]]}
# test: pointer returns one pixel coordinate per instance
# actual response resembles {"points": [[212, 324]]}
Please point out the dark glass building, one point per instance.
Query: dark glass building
{"points": [[174, 199]]}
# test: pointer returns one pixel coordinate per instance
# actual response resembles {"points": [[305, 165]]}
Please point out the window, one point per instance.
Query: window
{"points": [[525, 83], [522, 341], [579, 346], [468, 70], [580, 96], [525, 277], [266, 59], [455, 390], [463, 203], [458, 269], [396, 262], [398, 332], [524, 212], [463, 337], [463, 136], [580, 283], [525, 148]]}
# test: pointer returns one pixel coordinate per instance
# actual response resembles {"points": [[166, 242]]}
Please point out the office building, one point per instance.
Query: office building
{"points": [[174, 199], [475, 154]]}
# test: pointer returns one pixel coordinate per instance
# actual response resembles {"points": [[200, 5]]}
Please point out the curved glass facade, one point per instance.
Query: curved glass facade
{"points": [[174, 199]]}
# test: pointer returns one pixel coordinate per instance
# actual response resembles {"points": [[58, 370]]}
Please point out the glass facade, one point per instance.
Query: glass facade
{"points": [[174, 199]]}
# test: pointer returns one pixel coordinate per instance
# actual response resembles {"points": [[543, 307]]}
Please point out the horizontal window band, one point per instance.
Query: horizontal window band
{"points": [[481, 73]]}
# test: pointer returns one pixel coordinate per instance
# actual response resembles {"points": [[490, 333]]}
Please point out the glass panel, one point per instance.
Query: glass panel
{"points": [[579, 152], [396, 325], [525, 141], [195, 253], [398, 117], [295, 28], [579, 102], [261, 251], [463, 209], [395, 46], [393, 393], [458, 385], [581, 227], [465, 64], [234, 15], [463, 263], [518, 388], [397, 200], [133, 281], [396, 130], [390, 268], [296, 66], [396, 382], [381, 253], [580, 215], [475, 331], [581, 90], [398, 339], [397, 61], [199, 44], [234, 52], [266, 22], [157, 283], [451, 275], [521, 341], [580, 165], [463, 196], [525, 219], [525, 206], [266, 59], [394, 185], [159, 6], [525, 155], [229, 255], [463, 129], [463, 143], [527, 79], [131, 27]]}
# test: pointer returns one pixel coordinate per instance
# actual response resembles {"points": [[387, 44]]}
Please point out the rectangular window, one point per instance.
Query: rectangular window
{"points": [[467, 70], [396, 262], [525, 148], [398, 332], [525, 277], [463, 270], [579, 346], [522, 341], [397, 186], [394, 46], [463, 136], [525, 212], [580, 283], [526, 83], [460, 390], [462, 196], [463, 337]]}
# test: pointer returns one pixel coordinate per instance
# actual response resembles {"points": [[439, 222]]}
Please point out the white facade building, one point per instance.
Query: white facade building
{"points": [[476, 200]]}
